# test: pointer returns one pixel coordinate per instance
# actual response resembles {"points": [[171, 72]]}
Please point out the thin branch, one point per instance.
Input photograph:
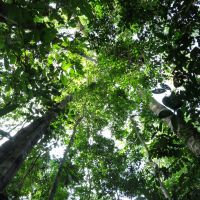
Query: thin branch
{"points": [[20, 124], [8, 19], [90, 186], [32, 165], [82, 55]]}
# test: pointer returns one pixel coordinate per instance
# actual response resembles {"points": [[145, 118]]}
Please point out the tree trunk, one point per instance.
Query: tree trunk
{"points": [[156, 169], [59, 173], [185, 131], [14, 152]]}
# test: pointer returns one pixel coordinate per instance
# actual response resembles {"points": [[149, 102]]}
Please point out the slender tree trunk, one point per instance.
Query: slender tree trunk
{"points": [[185, 131], [157, 173], [59, 173], [14, 152]]}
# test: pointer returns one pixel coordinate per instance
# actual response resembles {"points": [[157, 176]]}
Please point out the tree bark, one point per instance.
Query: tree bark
{"points": [[185, 131], [59, 173], [14, 152]]}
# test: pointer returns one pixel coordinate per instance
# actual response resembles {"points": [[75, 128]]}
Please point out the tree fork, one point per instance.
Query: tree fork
{"points": [[185, 131]]}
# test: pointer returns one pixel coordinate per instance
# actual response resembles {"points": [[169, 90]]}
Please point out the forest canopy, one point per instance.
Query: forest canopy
{"points": [[116, 84]]}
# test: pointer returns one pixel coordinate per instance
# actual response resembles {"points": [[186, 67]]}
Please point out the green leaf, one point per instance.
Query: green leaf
{"points": [[49, 35], [64, 79], [12, 59], [65, 66], [2, 41]]}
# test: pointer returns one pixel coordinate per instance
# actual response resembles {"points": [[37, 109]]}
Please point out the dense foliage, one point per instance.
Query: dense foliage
{"points": [[110, 58]]}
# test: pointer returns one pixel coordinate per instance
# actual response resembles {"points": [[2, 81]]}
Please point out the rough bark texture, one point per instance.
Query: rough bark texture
{"points": [[14, 152], [185, 131]]}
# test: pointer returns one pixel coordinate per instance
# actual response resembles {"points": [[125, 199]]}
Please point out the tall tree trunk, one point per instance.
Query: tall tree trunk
{"points": [[185, 131], [56, 180], [14, 152]]}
